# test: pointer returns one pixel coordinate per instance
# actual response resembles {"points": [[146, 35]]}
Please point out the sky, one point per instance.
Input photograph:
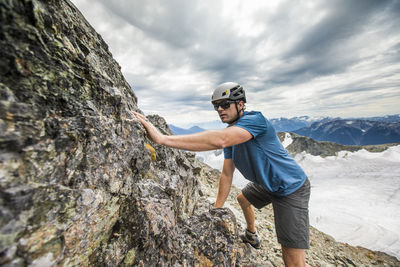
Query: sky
{"points": [[338, 58]]}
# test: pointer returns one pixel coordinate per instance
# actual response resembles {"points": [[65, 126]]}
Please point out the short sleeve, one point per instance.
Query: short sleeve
{"points": [[254, 123], [228, 152]]}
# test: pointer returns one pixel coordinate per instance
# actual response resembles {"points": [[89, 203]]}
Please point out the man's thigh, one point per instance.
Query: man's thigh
{"points": [[256, 195], [292, 219]]}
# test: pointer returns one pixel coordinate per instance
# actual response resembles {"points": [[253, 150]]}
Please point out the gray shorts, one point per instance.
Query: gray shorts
{"points": [[290, 213]]}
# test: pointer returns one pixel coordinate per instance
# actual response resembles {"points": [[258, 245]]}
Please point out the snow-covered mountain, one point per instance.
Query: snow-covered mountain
{"points": [[387, 118], [295, 123], [353, 132], [355, 193]]}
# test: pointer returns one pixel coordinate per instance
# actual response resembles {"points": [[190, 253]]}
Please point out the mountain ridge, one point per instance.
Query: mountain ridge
{"points": [[353, 132]]}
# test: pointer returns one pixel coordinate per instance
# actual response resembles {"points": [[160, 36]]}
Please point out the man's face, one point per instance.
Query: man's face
{"points": [[229, 114]]}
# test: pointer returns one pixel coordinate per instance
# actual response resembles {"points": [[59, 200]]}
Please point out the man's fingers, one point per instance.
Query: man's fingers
{"points": [[152, 132], [139, 116]]}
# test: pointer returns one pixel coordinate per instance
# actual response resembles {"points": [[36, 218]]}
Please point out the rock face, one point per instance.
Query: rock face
{"points": [[79, 182], [324, 148]]}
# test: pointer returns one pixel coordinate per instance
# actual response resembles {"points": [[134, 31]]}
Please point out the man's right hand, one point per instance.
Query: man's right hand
{"points": [[153, 133]]}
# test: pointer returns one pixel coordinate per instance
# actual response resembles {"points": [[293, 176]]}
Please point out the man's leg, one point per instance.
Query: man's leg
{"points": [[292, 225], [294, 257], [248, 211]]}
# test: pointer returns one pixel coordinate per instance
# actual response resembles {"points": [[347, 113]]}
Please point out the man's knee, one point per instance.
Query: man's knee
{"points": [[294, 257], [242, 200]]}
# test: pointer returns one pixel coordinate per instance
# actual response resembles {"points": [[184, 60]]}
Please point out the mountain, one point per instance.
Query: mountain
{"points": [[178, 131], [353, 132], [387, 118], [295, 123]]}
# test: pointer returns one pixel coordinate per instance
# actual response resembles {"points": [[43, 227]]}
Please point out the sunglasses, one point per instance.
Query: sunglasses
{"points": [[224, 104]]}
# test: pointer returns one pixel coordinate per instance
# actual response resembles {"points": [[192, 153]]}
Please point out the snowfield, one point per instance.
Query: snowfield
{"points": [[355, 196]]}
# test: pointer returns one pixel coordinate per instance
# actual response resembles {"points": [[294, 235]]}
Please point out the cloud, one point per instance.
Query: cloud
{"points": [[171, 24], [190, 33], [343, 21], [293, 57], [332, 45]]}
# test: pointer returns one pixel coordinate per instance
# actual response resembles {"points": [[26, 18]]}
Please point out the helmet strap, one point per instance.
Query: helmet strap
{"points": [[237, 116]]}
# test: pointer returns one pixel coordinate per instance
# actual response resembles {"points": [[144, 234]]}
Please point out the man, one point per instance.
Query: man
{"points": [[251, 145]]}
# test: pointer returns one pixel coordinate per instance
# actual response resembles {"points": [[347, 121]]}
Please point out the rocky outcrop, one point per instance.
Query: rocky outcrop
{"points": [[324, 148], [79, 182]]}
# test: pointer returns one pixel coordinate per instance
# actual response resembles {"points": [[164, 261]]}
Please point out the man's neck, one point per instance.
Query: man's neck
{"points": [[237, 118]]}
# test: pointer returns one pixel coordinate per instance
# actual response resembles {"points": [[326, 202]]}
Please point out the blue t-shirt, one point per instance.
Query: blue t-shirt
{"points": [[263, 160]]}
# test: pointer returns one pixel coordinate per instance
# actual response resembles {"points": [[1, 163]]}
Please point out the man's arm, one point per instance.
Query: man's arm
{"points": [[225, 183], [207, 140]]}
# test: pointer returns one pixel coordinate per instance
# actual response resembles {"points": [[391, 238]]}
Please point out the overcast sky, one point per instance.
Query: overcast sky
{"points": [[294, 58]]}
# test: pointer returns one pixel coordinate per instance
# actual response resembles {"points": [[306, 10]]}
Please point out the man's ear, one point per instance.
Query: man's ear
{"points": [[241, 104]]}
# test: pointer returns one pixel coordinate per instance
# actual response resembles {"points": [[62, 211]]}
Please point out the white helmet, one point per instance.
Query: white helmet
{"points": [[228, 90]]}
